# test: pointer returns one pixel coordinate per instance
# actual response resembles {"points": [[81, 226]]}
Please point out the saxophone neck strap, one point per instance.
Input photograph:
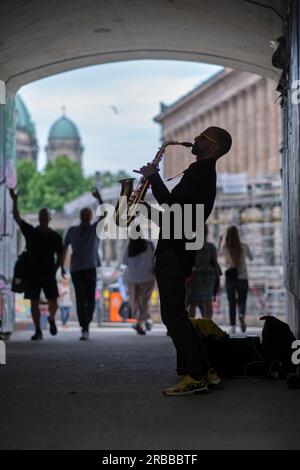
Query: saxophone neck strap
{"points": [[173, 177]]}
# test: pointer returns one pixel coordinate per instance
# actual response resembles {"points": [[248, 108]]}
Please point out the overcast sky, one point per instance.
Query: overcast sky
{"points": [[113, 106]]}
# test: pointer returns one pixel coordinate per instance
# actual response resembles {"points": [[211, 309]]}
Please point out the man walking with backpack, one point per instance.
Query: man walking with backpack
{"points": [[44, 256]]}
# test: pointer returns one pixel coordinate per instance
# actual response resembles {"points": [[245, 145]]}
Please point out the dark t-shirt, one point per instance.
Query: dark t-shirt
{"points": [[43, 249], [197, 186]]}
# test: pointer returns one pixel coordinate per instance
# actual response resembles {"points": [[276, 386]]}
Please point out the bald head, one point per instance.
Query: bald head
{"points": [[214, 142], [222, 137]]}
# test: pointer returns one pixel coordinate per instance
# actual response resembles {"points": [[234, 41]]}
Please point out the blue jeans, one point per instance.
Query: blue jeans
{"points": [[64, 314], [237, 291]]}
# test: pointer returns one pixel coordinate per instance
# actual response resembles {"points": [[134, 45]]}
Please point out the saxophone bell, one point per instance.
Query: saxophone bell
{"points": [[121, 207]]}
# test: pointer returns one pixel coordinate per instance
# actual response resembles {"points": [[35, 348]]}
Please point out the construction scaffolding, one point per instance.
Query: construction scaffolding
{"points": [[257, 211]]}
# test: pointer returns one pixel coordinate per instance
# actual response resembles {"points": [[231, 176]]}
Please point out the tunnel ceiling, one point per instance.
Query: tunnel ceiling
{"points": [[40, 38]]}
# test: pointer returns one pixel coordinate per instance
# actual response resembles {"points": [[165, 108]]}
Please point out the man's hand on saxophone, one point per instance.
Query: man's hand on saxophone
{"points": [[147, 170]]}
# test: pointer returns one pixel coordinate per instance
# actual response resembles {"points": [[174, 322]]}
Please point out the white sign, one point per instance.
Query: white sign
{"points": [[296, 354], [233, 183], [2, 352], [2, 92]]}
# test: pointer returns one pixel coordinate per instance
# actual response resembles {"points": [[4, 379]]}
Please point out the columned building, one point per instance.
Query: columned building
{"points": [[244, 104], [64, 139]]}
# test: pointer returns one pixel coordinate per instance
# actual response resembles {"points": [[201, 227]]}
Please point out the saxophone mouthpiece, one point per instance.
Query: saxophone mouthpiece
{"points": [[187, 144]]}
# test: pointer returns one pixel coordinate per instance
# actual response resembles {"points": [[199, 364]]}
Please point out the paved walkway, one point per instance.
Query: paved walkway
{"points": [[106, 394]]}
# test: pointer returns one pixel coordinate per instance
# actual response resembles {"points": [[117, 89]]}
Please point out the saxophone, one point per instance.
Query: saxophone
{"points": [[129, 199]]}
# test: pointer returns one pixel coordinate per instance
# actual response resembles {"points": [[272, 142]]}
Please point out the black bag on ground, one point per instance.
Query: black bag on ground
{"points": [[20, 272], [277, 339], [232, 356], [229, 356]]}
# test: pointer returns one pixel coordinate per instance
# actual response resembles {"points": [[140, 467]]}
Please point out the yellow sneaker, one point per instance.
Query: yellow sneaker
{"points": [[213, 378], [187, 386]]}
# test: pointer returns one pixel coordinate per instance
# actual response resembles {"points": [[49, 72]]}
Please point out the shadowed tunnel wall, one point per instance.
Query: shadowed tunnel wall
{"points": [[291, 173]]}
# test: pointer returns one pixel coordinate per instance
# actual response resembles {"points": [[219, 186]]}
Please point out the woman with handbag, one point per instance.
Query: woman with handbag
{"points": [[138, 258], [202, 285], [235, 253]]}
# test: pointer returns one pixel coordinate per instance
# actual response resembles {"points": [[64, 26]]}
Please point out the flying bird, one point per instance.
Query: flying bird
{"points": [[115, 109]]}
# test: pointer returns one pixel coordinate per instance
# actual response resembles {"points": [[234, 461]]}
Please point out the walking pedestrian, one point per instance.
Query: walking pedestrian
{"points": [[201, 285], [64, 301], [84, 262], [235, 253], [44, 256], [138, 258]]}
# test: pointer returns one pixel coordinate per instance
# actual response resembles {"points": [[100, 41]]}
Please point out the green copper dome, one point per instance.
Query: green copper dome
{"points": [[23, 119], [64, 128]]}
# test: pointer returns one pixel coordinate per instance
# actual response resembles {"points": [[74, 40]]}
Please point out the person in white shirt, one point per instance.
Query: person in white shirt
{"points": [[235, 253], [84, 263], [139, 274]]}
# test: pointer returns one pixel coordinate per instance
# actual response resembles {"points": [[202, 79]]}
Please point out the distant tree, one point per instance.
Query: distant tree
{"points": [[36, 193], [107, 178], [61, 181], [26, 170]]}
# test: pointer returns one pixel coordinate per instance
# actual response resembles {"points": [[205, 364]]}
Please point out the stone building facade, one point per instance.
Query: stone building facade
{"points": [[246, 105]]}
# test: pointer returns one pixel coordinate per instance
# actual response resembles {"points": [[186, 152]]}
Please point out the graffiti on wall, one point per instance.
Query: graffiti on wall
{"points": [[7, 227]]}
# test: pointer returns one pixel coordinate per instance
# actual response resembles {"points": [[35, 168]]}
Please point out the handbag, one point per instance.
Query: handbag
{"points": [[125, 311], [20, 272], [231, 274]]}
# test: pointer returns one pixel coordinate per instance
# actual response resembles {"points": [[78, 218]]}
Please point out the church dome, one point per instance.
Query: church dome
{"points": [[63, 128], [64, 140], [23, 119]]}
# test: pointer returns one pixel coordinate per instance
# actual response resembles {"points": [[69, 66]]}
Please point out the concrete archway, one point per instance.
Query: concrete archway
{"points": [[38, 40]]}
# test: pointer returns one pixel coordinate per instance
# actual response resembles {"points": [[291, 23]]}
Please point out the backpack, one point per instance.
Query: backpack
{"points": [[277, 339], [20, 271]]}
